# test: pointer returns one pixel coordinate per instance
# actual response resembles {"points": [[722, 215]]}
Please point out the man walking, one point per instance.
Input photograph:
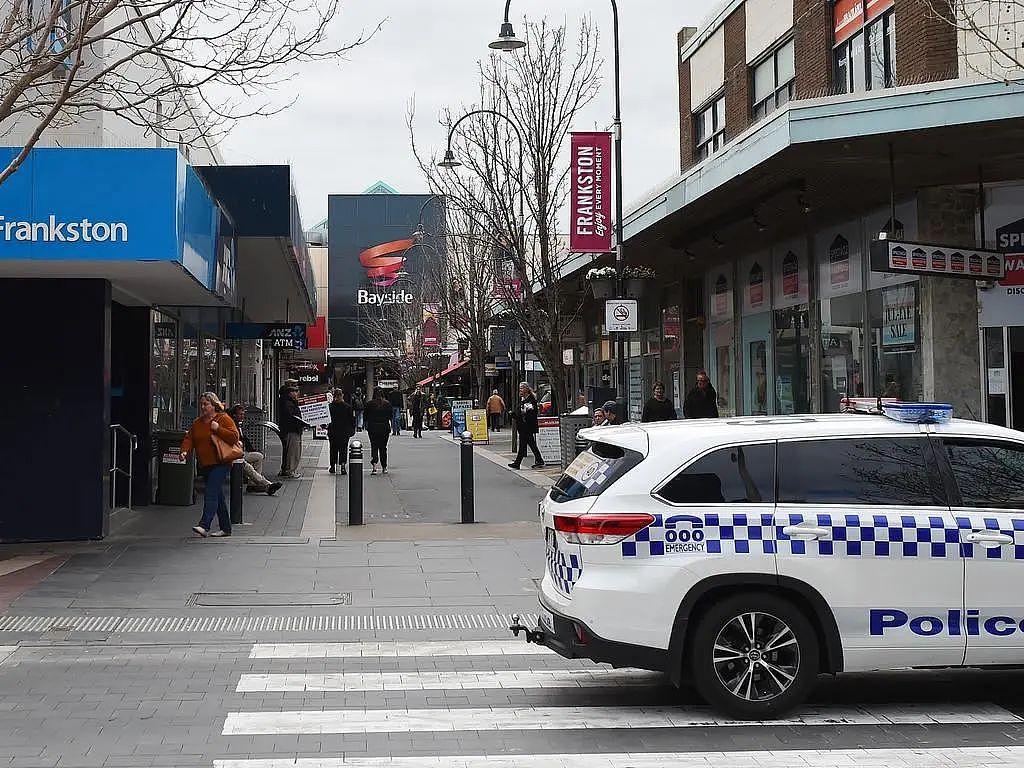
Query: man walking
{"points": [[526, 426], [395, 399], [417, 404], [495, 410], [253, 467], [702, 401], [358, 403]]}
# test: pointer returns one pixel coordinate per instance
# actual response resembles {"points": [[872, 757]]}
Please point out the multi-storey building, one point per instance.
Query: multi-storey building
{"points": [[807, 128]]}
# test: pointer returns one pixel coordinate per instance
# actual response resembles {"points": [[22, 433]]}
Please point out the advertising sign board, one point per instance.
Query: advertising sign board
{"points": [[590, 193]]}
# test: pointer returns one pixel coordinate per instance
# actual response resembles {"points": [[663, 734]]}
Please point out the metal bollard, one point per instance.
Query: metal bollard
{"points": [[467, 477], [355, 483], [237, 480]]}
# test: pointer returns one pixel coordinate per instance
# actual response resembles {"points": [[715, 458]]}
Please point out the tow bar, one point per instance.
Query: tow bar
{"points": [[532, 635]]}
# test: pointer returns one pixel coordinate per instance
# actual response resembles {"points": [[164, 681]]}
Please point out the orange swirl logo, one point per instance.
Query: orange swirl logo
{"points": [[383, 262]]}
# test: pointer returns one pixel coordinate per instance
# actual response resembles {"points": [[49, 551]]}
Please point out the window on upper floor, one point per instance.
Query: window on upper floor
{"points": [[773, 81], [709, 125], [865, 51]]}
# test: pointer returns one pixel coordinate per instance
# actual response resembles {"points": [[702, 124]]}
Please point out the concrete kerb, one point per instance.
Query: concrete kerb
{"points": [[532, 476]]}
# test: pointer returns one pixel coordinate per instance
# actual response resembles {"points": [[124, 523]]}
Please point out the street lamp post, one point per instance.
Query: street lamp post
{"points": [[507, 41]]}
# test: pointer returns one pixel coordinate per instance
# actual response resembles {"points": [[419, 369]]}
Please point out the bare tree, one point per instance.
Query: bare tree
{"points": [[515, 182], [987, 34], [181, 70]]}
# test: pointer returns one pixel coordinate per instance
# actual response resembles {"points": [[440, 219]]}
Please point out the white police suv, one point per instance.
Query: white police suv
{"points": [[748, 555]]}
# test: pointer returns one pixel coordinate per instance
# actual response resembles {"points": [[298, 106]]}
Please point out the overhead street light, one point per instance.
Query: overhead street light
{"points": [[507, 41], [450, 161]]}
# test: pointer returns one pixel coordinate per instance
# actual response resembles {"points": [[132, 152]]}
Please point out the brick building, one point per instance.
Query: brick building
{"points": [[808, 127]]}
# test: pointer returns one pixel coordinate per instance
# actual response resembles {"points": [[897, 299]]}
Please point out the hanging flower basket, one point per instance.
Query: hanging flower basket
{"points": [[637, 279], [603, 288], [602, 282], [635, 287]]}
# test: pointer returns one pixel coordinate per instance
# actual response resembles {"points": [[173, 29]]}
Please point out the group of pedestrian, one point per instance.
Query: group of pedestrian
{"points": [[701, 402]]}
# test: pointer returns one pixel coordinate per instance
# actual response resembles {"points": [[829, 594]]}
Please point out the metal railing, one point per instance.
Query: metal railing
{"points": [[115, 469]]}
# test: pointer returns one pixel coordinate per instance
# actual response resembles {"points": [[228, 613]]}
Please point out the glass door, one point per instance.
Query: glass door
{"points": [[997, 398], [757, 363]]}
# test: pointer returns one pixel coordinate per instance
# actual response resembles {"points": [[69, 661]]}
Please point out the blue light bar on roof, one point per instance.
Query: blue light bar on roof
{"points": [[918, 413]]}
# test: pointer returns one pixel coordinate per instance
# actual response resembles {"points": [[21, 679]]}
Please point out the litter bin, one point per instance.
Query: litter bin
{"points": [[569, 426], [175, 478]]}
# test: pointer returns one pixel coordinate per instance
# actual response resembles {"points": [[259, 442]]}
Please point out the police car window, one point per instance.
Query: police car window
{"points": [[858, 471], [593, 471], [988, 474], [738, 475]]}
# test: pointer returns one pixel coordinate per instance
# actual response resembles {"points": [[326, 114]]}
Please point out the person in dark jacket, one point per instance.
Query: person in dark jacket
{"points": [[358, 403], [340, 430], [659, 407], [702, 400], [290, 423], [417, 404], [253, 467], [525, 418], [377, 418], [395, 399]]}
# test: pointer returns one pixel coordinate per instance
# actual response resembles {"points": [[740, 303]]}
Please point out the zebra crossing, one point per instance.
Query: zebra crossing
{"points": [[503, 703]]}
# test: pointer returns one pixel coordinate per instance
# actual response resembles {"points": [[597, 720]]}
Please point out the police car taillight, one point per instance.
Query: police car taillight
{"points": [[609, 528]]}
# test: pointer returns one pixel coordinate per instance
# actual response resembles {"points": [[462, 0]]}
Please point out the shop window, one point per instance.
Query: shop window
{"points": [[773, 81], [864, 60], [842, 349], [895, 341], [889, 471], [792, 353], [709, 124], [165, 370], [741, 475]]}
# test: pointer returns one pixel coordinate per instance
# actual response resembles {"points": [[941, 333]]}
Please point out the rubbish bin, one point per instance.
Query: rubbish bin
{"points": [[569, 426], [175, 478]]}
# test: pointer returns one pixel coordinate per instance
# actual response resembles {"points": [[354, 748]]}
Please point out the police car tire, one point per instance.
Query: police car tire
{"points": [[706, 679]]}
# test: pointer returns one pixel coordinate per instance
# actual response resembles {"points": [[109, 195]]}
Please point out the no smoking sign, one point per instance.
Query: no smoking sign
{"points": [[620, 315]]}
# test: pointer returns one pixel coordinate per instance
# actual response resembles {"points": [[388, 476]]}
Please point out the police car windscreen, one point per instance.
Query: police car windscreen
{"points": [[594, 470]]}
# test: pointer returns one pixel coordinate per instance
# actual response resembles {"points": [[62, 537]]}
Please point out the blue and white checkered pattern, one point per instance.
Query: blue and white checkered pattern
{"points": [[565, 569], [851, 535]]}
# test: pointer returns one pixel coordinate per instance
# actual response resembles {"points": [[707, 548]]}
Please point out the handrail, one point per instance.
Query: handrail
{"points": [[133, 445]]}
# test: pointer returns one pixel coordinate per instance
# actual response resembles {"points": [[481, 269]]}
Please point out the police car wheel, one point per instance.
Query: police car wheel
{"points": [[754, 656]]}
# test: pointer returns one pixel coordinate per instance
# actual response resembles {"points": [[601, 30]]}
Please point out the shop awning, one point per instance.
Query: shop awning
{"points": [[442, 374]]}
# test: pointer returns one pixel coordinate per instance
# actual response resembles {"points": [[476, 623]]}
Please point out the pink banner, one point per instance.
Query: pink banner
{"points": [[590, 196]]}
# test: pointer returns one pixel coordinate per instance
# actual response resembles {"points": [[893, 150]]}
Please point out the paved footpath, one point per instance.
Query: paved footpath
{"points": [[295, 644]]}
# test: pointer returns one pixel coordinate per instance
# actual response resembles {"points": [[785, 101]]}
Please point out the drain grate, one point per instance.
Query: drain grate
{"points": [[253, 599], [246, 624]]}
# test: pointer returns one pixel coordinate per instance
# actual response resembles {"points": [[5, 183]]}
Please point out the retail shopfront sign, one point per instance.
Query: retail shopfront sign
{"points": [[277, 335], [901, 256], [53, 230]]}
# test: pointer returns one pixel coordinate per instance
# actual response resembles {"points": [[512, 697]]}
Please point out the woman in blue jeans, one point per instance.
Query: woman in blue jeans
{"points": [[212, 421]]}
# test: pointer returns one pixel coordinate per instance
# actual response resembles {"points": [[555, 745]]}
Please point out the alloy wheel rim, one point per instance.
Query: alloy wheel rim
{"points": [[756, 656]]}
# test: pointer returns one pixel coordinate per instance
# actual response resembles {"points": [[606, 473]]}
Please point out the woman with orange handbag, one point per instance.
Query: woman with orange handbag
{"points": [[216, 441]]}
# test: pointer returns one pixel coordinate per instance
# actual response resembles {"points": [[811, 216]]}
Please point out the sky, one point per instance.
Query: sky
{"points": [[347, 127]]}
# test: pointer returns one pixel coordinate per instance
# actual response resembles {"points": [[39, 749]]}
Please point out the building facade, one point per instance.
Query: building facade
{"points": [[126, 270], [807, 128]]}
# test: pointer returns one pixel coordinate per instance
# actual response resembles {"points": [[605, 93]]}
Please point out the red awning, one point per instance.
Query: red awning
{"points": [[442, 374]]}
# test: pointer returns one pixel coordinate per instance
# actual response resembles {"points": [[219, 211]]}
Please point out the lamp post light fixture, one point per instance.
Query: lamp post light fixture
{"points": [[450, 161], [507, 41]]}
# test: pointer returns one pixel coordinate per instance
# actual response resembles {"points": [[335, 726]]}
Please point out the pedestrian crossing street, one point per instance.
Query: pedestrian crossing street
{"points": [[503, 703]]}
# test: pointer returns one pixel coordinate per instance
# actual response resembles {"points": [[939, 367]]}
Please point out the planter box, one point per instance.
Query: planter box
{"points": [[603, 288], [635, 288]]}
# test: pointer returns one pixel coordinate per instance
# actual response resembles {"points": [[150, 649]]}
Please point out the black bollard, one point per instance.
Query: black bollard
{"points": [[355, 483], [237, 478], [467, 477]]}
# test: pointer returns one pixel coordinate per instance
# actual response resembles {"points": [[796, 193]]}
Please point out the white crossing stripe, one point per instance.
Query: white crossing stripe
{"points": [[339, 721], [517, 647], [5, 651], [14, 564], [441, 681], [945, 757]]}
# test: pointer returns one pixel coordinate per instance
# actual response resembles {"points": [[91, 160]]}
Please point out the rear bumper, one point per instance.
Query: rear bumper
{"points": [[562, 638]]}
